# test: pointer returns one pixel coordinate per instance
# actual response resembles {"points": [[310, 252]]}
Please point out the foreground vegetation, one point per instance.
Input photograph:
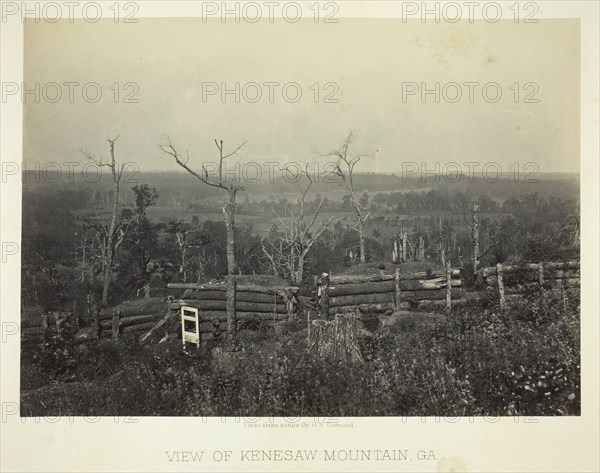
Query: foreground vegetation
{"points": [[478, 361]]}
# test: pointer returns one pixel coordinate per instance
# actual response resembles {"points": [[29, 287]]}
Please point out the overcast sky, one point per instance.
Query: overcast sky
{"points": [[368, 59]]}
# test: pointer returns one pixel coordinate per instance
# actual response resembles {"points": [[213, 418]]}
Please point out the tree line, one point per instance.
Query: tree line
{"points": [[121, 252]]}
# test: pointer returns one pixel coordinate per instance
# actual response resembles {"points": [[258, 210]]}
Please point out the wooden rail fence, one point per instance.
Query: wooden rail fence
{"points": [[222, 304], [513, 280], [388, 292]]}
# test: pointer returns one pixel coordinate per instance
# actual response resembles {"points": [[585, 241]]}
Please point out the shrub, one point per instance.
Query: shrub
{"points": [[478, 361]]}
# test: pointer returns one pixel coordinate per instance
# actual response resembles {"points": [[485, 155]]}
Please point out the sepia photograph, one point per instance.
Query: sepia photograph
{"points": [[339, 235], [266, 210]]}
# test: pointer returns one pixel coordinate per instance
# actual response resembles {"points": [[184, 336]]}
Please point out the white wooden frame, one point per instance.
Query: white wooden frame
{"points": [[190, 314]]}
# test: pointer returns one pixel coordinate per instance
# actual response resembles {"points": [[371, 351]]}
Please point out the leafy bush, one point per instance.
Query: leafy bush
{"points": [[478, 361]]}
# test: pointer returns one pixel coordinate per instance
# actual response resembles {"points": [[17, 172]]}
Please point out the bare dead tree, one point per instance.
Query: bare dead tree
{"points": [[289, 254], [348, 161], [475, 238], [116, 173], [185, 243], [95, 250], [85, 244], [477, 255], [219, 182]]}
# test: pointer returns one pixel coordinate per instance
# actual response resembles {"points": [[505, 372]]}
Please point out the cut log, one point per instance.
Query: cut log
{"points": [[390, 286], [220, 286], [361, 288], [240, 306], [385, 297], [129, 321], [362, 299], [157, 326], [137, 307], [222, 316], [212, 295], [258, 307], [138, 319], [139, 327], [357, 279], [365, 308], [385, 307], [240, 296]]}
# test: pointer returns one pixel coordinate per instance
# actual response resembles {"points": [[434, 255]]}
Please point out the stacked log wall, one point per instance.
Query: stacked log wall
{"points": [[383, 293], [253, 303], [131, 317], [518, 279]]}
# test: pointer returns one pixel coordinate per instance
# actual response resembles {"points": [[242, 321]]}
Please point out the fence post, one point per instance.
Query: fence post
{"points": [[231, 313], [115, 324], [541, 283], [500, 279], [398, 289], [324, 297], [475, 238], [395, 250], [291, 301], [448, 286]]}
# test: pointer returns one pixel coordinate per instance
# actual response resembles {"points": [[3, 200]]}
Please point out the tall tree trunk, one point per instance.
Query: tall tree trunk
{"points": [[421, 250], [183, 266], [404, 246], [110, 242], [83, 264], [231, 309], [475, 254], [292, 264], [363, 255], [299, 270], [440, 245], [229, 212]]}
